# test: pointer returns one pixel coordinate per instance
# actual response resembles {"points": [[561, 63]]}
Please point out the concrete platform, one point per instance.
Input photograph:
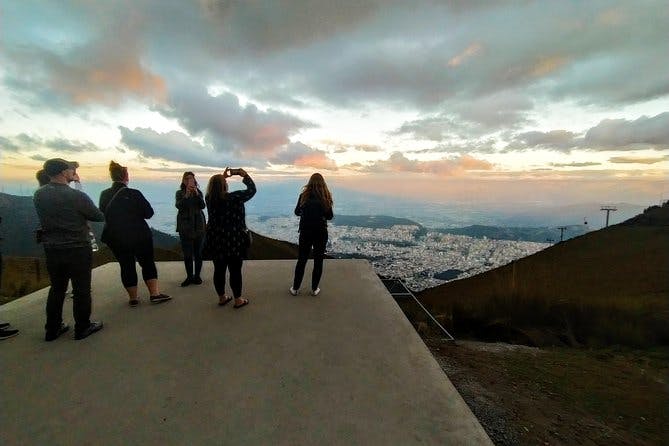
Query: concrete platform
{"points": [[345, 367]]}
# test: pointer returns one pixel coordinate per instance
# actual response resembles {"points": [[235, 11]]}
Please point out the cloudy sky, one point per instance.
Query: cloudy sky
{"points": [[438, 100]]}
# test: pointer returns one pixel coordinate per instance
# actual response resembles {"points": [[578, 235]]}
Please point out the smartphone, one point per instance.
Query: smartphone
{"points": [[235, 171]]}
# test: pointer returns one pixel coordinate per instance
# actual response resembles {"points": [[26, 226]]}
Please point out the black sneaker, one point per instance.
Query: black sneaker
{"points": [[6, 333], [92, 328], [160, 298], [53, 335], [4, 325], [196, 280], [187, 282]]}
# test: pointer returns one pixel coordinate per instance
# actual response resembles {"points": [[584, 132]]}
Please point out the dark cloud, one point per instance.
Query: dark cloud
{"points": [[265, 27], [102, 71], [25, 143], [466, 69], [613, 134], [7, 145], [66, 145], [576, 164], [177, 147], [368, 148], [242, 130], [555, 140], [638, 160], [609, 134]]}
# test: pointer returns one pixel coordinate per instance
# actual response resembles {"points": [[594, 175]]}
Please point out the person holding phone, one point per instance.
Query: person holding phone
{"points": [[314, 207], [190, 226], [227, 237]]}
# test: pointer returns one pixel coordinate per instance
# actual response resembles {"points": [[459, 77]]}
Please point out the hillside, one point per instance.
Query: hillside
{"points": [[19, 220], [540, 235], [606, 287]]}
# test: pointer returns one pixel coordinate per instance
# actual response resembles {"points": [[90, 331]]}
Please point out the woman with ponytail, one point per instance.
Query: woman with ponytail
{"points": [[128, 235], [314, 207]]}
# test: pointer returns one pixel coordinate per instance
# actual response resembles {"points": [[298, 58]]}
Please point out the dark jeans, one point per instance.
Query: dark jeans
{"points": [[69, 264], [234, 265], [192, 250], [309, 239], [126, 256]]}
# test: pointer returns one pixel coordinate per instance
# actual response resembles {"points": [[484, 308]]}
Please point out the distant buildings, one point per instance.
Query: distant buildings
{"points": [[402, 251]]}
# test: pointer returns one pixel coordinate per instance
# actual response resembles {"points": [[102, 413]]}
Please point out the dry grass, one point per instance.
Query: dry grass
{"points": [[562, 396], [24, 275]]}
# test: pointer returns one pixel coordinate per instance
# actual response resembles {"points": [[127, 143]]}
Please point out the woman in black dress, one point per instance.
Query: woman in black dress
{"points": [[190, 226], [314, 207], [227, 239], [128, 235]]}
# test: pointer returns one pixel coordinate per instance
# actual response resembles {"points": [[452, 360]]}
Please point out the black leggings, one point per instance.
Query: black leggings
{"points": [[308, 239], [192, 250], [126, 256], [234, 265]]}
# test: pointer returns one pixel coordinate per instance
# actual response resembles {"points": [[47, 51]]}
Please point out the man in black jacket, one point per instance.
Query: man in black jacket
{"points": [[64, 214]]}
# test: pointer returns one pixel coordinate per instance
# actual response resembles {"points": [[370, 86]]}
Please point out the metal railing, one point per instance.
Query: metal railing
{"points": [[397, 288]]}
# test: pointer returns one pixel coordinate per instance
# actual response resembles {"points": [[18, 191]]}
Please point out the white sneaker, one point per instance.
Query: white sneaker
{"points": [[293, 291], [315, 292]]}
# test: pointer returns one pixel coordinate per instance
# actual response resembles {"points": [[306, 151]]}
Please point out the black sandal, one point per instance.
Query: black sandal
{"points": [[224, 302]]}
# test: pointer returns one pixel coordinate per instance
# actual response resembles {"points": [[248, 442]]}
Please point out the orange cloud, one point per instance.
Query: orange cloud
{"points": [[468, 52], [547, 65], [447, 167], [317, 160]]}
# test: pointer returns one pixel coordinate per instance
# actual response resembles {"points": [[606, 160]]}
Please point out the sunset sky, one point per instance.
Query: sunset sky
{"points": [[543, 101]]}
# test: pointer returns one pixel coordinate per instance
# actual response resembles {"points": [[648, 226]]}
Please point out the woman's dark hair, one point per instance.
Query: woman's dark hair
{"points": [[183, 179], [117, 172], [217, 189], [317, 188], [42, 177]]}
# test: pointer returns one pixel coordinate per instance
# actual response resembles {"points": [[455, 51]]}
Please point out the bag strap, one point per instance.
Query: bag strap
{"points": [[112, 199]]}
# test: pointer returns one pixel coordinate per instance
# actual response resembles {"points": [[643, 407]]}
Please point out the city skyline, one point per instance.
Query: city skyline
{"points": [[554, 102]]}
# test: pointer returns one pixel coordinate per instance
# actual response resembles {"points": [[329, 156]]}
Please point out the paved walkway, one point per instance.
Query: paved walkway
{"points": [[344, 368]]}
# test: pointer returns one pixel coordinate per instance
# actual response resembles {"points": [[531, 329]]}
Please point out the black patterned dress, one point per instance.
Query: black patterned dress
{"points": [[227, 235]]}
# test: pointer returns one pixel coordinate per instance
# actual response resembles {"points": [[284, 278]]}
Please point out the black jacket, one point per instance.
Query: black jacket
{"points": [[125, 216], [313, 214], [227, 235], [190, 218]]}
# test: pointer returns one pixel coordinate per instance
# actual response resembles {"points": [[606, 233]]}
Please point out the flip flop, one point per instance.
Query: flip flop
{"points": [[226, 301], [246, 302]]}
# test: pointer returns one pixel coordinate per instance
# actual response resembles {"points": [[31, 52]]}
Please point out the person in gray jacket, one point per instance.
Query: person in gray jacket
{"points": [[64, 214], [190, 226]]}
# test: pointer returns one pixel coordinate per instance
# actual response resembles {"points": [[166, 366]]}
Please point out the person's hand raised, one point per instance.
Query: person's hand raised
{"points": [[242, 173], [226, 173]]}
